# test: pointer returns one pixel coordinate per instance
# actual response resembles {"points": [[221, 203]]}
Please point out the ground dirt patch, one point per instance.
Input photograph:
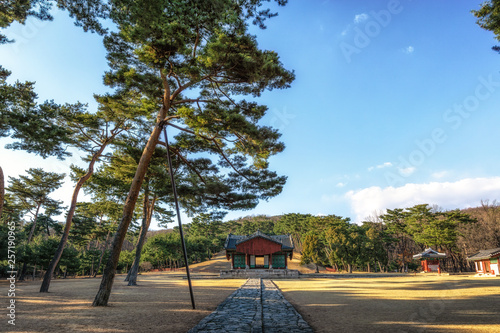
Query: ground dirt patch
{"points": [[397, 304], [160, 303], [213, 266]]}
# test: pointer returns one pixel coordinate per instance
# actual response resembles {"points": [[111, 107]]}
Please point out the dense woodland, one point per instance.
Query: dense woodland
{"points": [[386, 243], [190, 70]]}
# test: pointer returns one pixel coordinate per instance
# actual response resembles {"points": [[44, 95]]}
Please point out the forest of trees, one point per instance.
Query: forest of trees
{"points": [[190, 70], [191, 67], [386, 243]]}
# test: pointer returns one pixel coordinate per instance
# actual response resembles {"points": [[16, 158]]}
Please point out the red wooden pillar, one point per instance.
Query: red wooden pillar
{"points": [[439, 267], [248, 260], [424, 265]]}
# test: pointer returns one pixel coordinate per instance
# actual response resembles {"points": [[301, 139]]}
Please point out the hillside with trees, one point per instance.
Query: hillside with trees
{"points": [[385, 244]]}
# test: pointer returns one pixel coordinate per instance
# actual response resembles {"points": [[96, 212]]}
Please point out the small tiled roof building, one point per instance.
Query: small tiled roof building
{"points": [[429, 259], [259, 251], [486, 261]]}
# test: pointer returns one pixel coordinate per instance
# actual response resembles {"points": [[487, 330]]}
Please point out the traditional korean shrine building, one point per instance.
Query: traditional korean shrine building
{"points": [[429, 259], [486, 261], [259, 254]]}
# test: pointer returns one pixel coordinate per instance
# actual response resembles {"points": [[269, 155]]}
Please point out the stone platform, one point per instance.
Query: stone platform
{"points": [[260, 273], [258, 306]]}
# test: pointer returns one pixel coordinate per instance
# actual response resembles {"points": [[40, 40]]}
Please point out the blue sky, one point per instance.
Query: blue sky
{"points": [[395, 103]]}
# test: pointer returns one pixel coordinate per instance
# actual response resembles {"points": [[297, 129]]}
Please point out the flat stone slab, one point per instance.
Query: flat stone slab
{"points": [[258, 306], [260, 273]]}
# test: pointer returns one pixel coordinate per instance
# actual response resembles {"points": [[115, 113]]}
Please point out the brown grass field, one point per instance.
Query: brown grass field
{"points": [[421, 303], [161, 303]]}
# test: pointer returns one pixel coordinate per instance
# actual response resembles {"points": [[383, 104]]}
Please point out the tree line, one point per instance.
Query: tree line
{"points": [[385, 243], [191, 70], [388, 242]]}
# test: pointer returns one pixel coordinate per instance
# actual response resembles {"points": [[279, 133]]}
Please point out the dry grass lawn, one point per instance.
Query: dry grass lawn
{"points": [[161, 303], [397, 304]]}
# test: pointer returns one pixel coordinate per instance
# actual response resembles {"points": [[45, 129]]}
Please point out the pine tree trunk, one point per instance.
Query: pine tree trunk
{"points": [[30, 236], [143, 224], [44, 288], [102, 297], [2, 191], [349, 268], [33, 227], [102, 254], [148, 214]]}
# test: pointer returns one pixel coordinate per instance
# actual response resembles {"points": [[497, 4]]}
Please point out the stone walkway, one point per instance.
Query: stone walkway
{"points": [[256, 307]]}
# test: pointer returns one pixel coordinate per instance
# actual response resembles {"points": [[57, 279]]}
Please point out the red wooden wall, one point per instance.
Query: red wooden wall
{"points": [[258, 246]]}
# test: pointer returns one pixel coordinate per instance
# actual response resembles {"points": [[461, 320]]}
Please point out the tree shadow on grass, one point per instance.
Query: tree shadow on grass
{"points": [[153, 306], [444, 307]]}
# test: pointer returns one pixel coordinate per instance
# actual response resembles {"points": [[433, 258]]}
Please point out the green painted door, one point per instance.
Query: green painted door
{"points": [[239, 261], [278, 261]]}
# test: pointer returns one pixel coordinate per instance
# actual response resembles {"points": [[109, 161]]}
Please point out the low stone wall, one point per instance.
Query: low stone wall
{"points": [[259, 273]]}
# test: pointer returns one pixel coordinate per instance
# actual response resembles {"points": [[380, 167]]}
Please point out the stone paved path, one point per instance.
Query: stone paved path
{"points": [[256, 307]]}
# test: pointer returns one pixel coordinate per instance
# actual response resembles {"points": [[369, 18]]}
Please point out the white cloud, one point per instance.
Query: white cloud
{"points": [[409, 50], [440, 174], [407, 171], [380, 166], [360, 18], [341, 184], [346, 30], [450, 195]]}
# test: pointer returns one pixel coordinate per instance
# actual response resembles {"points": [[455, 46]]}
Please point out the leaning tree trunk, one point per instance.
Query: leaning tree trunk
{"points": [[102, 297], [30, 236], [2, 191], [132, 273], [145, 206], [69, 218], [102, 252], [146, 221]]}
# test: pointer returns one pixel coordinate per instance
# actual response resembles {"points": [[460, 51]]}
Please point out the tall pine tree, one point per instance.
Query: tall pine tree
{"points": [[193, 62]]}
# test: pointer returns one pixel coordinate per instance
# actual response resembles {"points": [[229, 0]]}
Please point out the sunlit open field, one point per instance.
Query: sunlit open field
{"points": [[397, 304], [161, 303]]}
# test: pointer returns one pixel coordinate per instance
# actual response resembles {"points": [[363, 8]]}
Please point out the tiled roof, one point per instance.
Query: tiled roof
{"points": [[285, 241], [485, 254], [429, 253]]}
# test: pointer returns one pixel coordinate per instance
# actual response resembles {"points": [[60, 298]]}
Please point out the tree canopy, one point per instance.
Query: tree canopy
{"points": [[191, 64], [488, 18]]}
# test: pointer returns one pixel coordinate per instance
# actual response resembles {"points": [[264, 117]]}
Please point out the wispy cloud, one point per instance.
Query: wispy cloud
{"points": [[346, 30], [409, 49], [440, 174], [449, 195], [407, 171], [360, 18], [380, 166]]}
